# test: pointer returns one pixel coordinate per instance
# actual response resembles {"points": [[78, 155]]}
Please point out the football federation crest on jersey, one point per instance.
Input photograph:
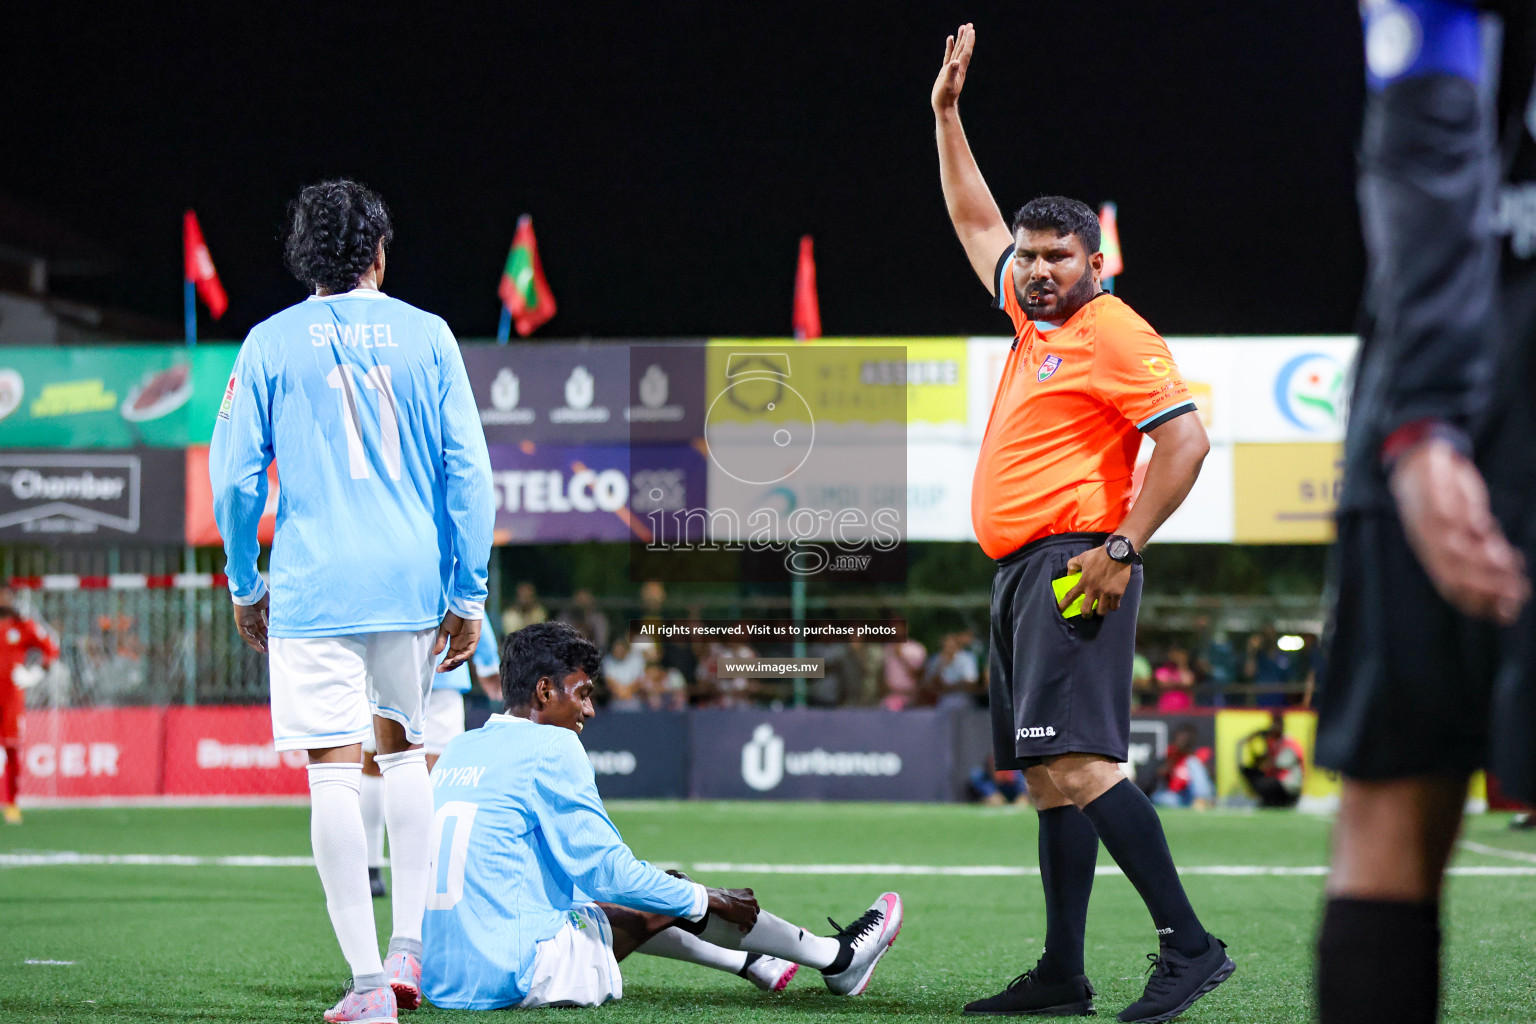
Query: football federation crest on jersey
{"points": [[1048, 367]]}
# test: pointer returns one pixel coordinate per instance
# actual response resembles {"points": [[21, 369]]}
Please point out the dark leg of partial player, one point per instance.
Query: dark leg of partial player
{"points": [[1379, 946]]}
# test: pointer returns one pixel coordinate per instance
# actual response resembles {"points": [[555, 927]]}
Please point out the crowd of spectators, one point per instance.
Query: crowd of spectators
{"points": [[1215, 669], [641, 673], [1208, 668]]}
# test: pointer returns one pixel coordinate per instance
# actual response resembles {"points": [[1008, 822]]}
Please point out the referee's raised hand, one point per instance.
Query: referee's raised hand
{"points": [[957, 59], [1103, 583]]}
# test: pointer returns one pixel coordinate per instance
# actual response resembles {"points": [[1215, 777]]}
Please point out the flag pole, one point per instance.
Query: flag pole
{"points": [[504, 329], [190, 310]]}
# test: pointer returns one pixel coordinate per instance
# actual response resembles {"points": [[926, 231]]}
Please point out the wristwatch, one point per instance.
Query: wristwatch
{"points": [[1121, 550]]}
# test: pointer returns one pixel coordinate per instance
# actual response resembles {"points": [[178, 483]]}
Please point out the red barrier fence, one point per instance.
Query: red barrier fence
{"points": [[85, 753], [228, 751]]}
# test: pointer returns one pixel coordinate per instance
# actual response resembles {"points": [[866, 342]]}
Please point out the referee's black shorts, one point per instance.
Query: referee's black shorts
{"points": [[1409, 683], [1058, 685]]}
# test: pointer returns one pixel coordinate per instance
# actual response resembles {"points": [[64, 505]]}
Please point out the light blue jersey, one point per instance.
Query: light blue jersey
{"points": [[521, 837], [486, 660], [385, 512]]}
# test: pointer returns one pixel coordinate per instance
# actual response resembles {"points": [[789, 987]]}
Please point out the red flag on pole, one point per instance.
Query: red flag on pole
{"points": [[1109, 241], [198, 266], [523, 290], [807, 316]]}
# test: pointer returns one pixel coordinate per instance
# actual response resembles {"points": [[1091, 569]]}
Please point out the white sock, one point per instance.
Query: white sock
{"points": [[775, 937], [408, 815], [676, 944], [341, 857], [372, 799]]}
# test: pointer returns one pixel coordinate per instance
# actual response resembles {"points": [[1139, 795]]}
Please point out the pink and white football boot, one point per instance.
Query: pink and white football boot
{"points": [[864, 942], [769, 973], [404, 973], [374, 1007]]}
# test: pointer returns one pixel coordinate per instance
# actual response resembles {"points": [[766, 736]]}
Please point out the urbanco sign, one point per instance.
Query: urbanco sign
{"points": [[843, 754]]}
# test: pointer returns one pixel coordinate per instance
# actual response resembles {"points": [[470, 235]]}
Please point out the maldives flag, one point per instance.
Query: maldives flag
{"points": [[198, 266], [1109, 242], [807, 316], [523, 291]]}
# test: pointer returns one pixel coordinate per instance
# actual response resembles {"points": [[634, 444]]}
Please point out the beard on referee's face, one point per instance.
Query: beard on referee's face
{"points": [[1054, 275]]}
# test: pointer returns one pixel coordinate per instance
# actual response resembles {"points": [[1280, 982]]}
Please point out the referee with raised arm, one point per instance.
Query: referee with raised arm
{"points": [[1085, 379]]}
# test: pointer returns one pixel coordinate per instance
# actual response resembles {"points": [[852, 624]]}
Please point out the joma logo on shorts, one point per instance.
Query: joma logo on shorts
{"points": [[1036, 732]]}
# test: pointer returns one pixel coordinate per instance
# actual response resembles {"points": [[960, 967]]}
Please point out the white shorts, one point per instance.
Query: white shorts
{"points": [[576, 966], [326, 690], [445, 719]]}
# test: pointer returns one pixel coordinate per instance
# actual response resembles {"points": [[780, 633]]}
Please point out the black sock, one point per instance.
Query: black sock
{"points": [[1378, 961], [1133, 835], [844, 957], [1069, 850]]}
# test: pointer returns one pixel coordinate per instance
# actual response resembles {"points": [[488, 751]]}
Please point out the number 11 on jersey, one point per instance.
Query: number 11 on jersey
{"points": [[378, 379]]}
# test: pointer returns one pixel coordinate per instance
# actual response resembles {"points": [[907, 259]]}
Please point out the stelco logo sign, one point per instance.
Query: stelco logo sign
{"points": [[764, 762]]}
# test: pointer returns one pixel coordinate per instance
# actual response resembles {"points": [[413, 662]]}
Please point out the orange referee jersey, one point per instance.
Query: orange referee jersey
{"points": [[1067, 421]]}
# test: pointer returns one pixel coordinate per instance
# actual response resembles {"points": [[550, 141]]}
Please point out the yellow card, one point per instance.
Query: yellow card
{"points": [[1061, 586]]}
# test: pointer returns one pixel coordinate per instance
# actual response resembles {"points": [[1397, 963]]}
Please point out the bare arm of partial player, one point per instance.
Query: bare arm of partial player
{"points": [[980, 227]]}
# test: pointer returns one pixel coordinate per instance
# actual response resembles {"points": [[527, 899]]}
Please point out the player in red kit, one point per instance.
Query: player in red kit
{"points": [[19, 637]]}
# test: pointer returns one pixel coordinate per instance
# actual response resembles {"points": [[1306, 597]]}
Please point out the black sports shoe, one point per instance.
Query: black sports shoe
{"points": [[1028, 996], [1177, 981], [376, 882]]}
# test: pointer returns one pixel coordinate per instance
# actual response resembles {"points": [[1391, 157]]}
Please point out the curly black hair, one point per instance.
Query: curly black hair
{"points": [[1061, 215], [335, 229], [543, 650]]}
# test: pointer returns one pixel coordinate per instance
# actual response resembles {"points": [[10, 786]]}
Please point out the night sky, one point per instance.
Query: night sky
{"points": [[672, 153]]}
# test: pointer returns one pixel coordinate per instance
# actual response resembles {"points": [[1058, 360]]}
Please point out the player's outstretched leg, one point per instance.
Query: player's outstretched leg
{"points": [[1069, 851], [769, 973], [408, 818], [336, 834], [846, 960]]}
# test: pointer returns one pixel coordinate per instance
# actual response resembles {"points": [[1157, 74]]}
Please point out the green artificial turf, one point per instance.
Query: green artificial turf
{"points": [[195, 943]]}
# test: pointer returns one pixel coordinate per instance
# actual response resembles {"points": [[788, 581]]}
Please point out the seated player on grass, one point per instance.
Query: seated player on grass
{"points": [[534, 898]]}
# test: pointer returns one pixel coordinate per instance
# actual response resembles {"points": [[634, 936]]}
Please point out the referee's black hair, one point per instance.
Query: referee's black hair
{"points": [[335, 229], [1061, 215], [552, 649]]}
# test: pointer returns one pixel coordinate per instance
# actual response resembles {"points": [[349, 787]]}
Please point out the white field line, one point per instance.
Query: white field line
{"points": [[1014, 871], [110, 802], [69, 859], [1494, 851]]}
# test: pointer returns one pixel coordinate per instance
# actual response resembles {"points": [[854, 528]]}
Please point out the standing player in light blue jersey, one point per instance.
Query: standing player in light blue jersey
{"points": [[379, 561], [535, 898], [445, 720]]}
